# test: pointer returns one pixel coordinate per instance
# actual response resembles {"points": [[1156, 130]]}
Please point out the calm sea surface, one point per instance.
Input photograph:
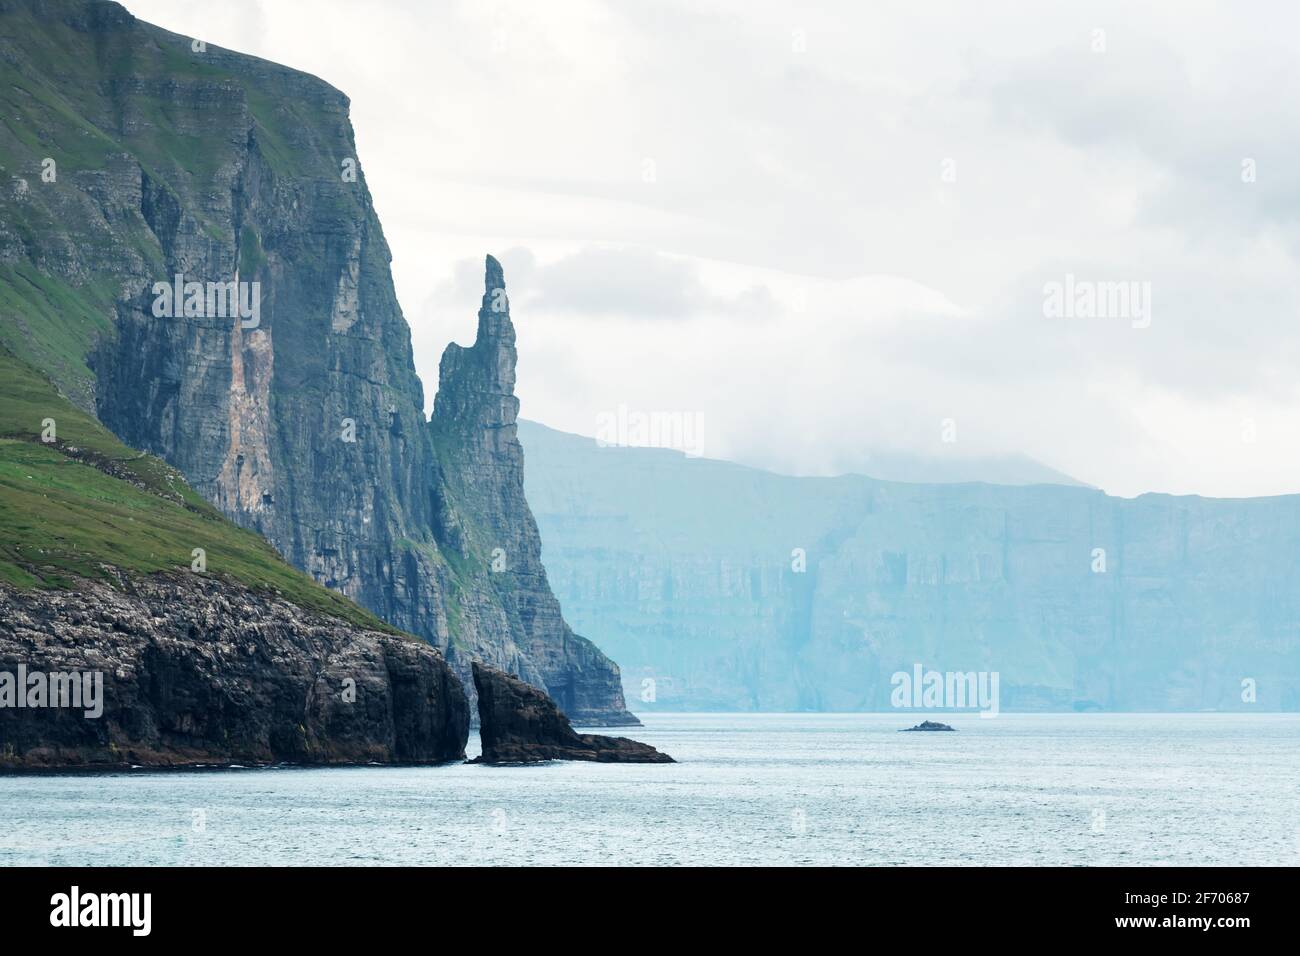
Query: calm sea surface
{"points": [[768, 789]]}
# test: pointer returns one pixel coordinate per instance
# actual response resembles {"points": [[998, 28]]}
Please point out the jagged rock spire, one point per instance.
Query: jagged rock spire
{"points": [[494, 276], [474, 424], [476, 385]]}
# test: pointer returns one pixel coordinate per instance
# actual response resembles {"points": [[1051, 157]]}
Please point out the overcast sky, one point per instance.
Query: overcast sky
{"points": [[830, 230]]}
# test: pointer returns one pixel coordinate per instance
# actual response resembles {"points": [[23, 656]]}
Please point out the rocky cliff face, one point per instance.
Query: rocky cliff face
{"points": [[723, 587], [171, 157], [199, 671]]}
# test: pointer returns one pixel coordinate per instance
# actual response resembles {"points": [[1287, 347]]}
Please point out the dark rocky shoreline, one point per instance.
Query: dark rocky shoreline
{"points": [[198, 671]]}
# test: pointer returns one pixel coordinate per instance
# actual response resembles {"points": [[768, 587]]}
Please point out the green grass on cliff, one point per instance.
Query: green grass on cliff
{"points": [[86, 503], [50, 324], [84, 86]]}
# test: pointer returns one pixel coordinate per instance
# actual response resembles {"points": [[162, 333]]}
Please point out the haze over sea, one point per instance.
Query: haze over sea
{"points": [[1058, 789]]}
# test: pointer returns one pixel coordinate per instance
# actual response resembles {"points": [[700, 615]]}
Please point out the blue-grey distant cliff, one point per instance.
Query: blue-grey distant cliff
{"points": [[688, 571]]}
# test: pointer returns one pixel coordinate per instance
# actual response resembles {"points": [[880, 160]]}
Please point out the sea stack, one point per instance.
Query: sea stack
{"points": [[481, 468], [519, 723]]}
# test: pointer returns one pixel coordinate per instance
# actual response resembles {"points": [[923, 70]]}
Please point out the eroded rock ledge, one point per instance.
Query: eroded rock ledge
{"points": [[521, 724], [201, 671]]}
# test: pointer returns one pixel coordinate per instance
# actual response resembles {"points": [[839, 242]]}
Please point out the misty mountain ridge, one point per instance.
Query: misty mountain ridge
{"points": [[880, 463]]}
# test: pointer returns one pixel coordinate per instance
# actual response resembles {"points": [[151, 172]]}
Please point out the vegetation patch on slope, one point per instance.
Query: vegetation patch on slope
{"points": [[84, 506]]}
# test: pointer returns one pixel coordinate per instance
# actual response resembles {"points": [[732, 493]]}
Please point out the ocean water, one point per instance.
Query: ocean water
{"points": [[749, 789]]}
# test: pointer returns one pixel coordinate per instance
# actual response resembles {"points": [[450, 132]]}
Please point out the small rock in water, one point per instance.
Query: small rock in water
{"points": [[927, 725]]}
